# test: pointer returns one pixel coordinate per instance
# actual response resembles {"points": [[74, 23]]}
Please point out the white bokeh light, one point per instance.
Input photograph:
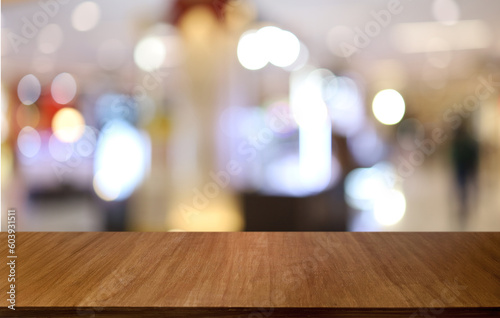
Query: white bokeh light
{"points": [[389, 208], [282, 46], [29, 89], [269, 44], [121, 160], [63, 88], [250, 53], [29, 142], [388, 107], [150, 53], [85, 16]]}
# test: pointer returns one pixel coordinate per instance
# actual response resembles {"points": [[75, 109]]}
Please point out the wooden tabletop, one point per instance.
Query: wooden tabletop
{"points": [[254, 274]]}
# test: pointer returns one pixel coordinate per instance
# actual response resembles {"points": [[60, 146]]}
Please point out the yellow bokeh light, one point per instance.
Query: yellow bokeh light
{"points": [[68, 124]]}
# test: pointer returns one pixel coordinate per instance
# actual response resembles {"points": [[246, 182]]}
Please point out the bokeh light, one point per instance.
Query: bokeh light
{"points": [[364, 186], [250, 53], [63, 88], [121, 160], [29, 142], [389, 208], [269, 44], [29, 89], [150, 53], [282, 46], [388, 107], [85, 16], [68, 124]]}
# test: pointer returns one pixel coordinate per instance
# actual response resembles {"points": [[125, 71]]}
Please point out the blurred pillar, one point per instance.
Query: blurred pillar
{"points": [[201, 199]]}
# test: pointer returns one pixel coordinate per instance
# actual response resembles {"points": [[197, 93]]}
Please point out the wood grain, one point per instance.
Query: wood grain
{"points": [[255, 274]]}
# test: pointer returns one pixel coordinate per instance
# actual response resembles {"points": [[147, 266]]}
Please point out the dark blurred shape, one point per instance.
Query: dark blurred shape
{"points": [[465, 159], [325, 211]]}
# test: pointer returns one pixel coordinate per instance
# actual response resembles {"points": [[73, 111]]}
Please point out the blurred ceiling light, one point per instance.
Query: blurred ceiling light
{"points": [[63, 88], [463, 35], [29, 89], [282, 46], [446, 12], [389, 208], [388, 107], [121, 160], [68, 124], [111, 54], [250, 53], [150, 53], [29, 142], [85, 16], [269, 44], [50, 38]]}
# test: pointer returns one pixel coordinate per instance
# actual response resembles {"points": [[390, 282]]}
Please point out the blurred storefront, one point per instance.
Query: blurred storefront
{"points": [[231, 115]]}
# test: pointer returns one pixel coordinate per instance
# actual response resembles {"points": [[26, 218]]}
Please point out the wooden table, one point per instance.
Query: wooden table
{"points": [[254, 274]]}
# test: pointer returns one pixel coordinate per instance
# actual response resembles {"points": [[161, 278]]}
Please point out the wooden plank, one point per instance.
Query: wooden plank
{"points": [[255, 274]]}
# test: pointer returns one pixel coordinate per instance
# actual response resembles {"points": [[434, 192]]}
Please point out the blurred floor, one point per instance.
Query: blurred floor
{"points": [[431, 206]]}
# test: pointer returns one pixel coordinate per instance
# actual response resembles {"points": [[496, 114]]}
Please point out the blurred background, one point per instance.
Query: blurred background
{"points": [[233, 115]]}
